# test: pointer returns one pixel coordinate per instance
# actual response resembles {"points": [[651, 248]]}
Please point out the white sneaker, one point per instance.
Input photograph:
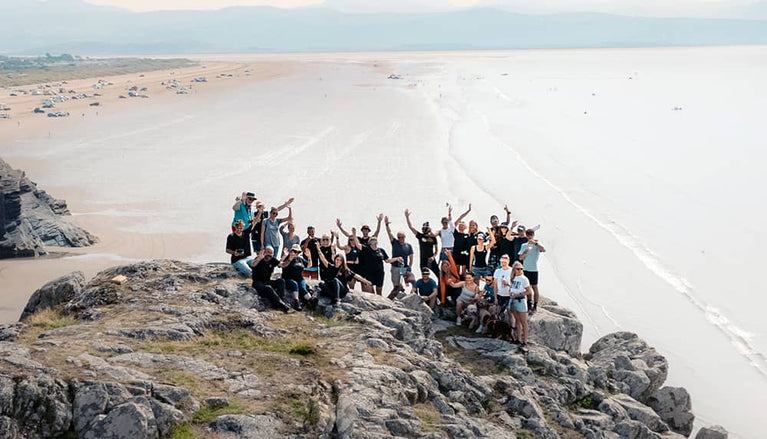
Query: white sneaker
{"points": [[458, 322], [480, 330]]}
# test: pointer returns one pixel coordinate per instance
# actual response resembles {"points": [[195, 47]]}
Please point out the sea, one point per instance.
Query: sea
{"points": [[643, 168]]}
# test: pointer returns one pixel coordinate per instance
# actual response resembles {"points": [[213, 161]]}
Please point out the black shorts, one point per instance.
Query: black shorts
{"points": [[503, 302], [532, 276], [376, 279]]}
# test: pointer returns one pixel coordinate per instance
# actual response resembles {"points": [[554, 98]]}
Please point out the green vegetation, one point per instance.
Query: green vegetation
{"points": [[525, 434], [239, 339], [207, 415], [587, 402], [302, 350], [308, 412], [16, 71], [182, 431]]}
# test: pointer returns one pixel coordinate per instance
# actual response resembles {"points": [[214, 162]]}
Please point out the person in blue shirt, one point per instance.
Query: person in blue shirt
{"points": [[426, 288], [529, 254], [241, 209]]}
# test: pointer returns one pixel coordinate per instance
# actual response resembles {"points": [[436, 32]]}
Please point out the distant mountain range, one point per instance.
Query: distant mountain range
{"points": [[33, 27]]}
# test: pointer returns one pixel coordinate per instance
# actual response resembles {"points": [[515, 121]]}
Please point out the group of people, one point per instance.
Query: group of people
{"points": [[460, 265]]}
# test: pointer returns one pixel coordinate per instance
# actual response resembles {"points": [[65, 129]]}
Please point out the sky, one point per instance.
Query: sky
{"points": [[687, 8]]}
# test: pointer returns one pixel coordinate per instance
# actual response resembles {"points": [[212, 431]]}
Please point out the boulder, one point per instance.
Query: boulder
{"points": [[42, 406], [673, 405], [712, 432], [55, 292], [631, 366], [131, 420], [556, 327], [248, 426], [640, 412]]}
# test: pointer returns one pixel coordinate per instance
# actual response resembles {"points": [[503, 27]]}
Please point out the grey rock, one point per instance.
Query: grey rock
{"points": [[7, 388], [712, 432], [673, 405], [216, 402], [556, 327], [639, 377], [31, 219], [629, 429], [42, 406], [131, 420], [8, 428], [10, 332], [639, 412], [172, 395], [55, 292], [524, 403], [248, 426], [166, 417]]}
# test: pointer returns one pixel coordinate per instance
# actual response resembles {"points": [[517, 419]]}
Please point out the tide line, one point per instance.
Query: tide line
{"points": [[739, 338]]}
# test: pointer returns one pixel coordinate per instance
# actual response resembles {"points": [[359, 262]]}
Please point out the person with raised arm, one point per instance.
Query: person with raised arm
{"points": [[427, 244], [258, 216], [478, 254], [325, 248], [268, 289], [400, 271], [529, 254], [335, 287], [289, 236], [270, 228], [446, 232], [365, 230], [241, 208], [373, 258], [461, 247], [352, 256], [496, 229]]}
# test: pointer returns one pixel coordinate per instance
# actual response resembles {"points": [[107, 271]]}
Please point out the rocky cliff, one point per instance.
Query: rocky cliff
{"points": [[181, 350], [31, 219]]}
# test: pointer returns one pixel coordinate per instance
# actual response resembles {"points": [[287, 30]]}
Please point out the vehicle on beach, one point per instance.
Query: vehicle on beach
{"points": [[38, 110], [59, 114], [94, 104], [4, 107], [5, 116]]}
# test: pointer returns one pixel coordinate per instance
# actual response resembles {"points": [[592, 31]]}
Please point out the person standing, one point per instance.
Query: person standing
{"points": [[325, 249], [268, 289], [520, 290], [241, 208], [502, 278], [238, 246], [427, 245], [289, 236], [517, 239], [400, 271], [529, 254], [446, 232], [373, 258], [365, 229], [461, 247], [258, 216], [310, 244], [270, 230]]}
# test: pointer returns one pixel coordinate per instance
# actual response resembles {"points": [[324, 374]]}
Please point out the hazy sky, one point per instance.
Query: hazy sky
{"points": [[711, 8]]}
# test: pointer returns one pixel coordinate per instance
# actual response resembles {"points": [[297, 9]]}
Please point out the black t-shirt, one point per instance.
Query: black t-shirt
{"points": [[426, 244], [242, 243], [400, 250], [373, 259], [496, 250], [255, 235], [295, 269], [516, 244], [311, 243], [333, 271], [461, 246], [505, 247], [326, 272], [263, 270]]}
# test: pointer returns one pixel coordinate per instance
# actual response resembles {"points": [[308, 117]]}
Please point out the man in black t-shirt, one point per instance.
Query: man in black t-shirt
{"points": [[427, 244], [238, 246], [310, 243], [271, 290]]}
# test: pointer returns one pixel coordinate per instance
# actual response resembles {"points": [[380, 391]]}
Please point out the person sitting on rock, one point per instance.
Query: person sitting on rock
{"points": [[470, 293], [448, 274], [292, 271], [352, 256], [335, 287], [426, 288], [268, 289], [238, 246]]}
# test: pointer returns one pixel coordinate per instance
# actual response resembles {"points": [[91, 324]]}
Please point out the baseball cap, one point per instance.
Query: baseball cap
{"points": [[250, 195], [505, 224], [310, 228], [426, 224], [295, 248], [425, 270], [520, 228]]}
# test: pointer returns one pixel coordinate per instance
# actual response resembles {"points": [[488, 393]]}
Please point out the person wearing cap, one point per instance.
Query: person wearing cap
{"points": [[310, 243], [503, 242], [446, 232], [517, 239], [426, 288], [478, 255], [529, 254], [292, 272], [238, 246], [241, 208], [270, 227], [496, 228], [399, 270], [427, 244], [372, 258], [268, 289]]}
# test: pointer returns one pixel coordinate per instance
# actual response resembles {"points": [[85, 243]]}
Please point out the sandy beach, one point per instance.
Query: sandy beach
{"points": [[632, 160]]}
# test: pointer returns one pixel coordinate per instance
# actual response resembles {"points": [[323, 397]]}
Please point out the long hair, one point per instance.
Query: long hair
{"points": [[343, 269]]}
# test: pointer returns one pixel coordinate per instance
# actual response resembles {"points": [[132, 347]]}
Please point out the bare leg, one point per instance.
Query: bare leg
{"points": [[535, 293], [379, 290], [522, 326]]}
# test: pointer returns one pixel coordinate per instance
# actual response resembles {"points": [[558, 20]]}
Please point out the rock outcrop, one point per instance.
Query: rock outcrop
{"points": [[183, 347], [30, 218]]}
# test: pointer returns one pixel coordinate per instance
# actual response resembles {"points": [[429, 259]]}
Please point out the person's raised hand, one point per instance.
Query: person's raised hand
{"points": [[290, 201], [380, 217], [354, 230]]}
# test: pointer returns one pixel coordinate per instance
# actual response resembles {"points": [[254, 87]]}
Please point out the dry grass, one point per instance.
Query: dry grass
{"points": [[428, 415]]}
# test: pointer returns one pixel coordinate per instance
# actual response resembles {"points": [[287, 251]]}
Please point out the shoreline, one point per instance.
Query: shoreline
{"points": [[108, 221]]}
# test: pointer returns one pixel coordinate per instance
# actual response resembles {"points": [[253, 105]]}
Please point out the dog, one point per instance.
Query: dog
{"points": [[470, 315]]}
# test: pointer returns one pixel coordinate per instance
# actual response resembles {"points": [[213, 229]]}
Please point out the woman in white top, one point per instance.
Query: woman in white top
{"points": [[520, 291]]}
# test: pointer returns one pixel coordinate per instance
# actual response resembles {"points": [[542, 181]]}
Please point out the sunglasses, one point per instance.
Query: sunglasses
{"points": [[519, 269]]}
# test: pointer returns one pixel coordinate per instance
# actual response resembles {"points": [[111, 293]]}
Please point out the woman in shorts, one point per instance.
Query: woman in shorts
{"points": [[478, 255], [520, 291]]}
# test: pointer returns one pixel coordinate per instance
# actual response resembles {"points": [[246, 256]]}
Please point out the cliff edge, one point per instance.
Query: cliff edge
{"points": [[170, 349], [30, 218]]}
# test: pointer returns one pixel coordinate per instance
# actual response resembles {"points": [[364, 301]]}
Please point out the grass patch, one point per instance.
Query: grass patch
{"points": [[525, 434], [182, 431], [238, 339], [587, 402], [428, 415], [50, 319], [390, 359], [307, 412], [206, 415], [302, 350], [331, 322]]}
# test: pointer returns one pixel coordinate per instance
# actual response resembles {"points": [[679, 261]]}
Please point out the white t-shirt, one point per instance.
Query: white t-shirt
{"points": [[519, 284], [500, 275], [448, 240]]}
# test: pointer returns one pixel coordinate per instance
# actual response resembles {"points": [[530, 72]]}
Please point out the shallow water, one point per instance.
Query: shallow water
{"points": [[649, 212]]}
